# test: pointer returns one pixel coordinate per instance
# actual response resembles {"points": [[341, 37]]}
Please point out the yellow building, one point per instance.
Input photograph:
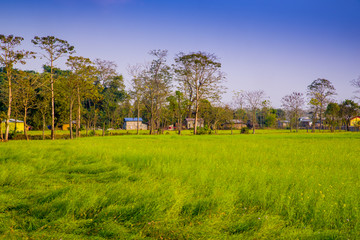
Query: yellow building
{"points": [[355, 121], [19, 125]]}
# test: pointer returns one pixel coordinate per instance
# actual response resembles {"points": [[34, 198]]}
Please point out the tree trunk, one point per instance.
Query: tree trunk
{"points": [[1, 131], [52, 101], [7, 123], [95, 119], [138, 116], [87, 127], [180, 115], [78, 117], [103, 129], [196, 116], [44, 125], [254, 119], [70, 119], [25, 127]]}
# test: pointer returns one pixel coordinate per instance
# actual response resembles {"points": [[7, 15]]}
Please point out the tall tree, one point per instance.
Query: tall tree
{"points": [[254, 100], [200, 75], [322, 90], [348, 109], [293, 104], [111, 86], [332, 115], [177, 104], [157, 80], [356, 83], [83, 75], [26, 85], [9, 56], [239, 104], [43, 100], [112, 95], [137, 84], [53, 48]]}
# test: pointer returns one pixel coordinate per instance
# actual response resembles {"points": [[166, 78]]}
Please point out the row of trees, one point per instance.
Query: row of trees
{"points": [[91, 93]]}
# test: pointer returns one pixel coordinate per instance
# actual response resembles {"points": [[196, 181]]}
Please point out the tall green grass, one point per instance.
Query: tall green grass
{"points": [[266, 186]]}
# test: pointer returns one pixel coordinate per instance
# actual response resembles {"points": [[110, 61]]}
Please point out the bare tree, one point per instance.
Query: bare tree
{"points": [[54, 48], [8, 58], [157, 80], [239, 104], [321, 90], [293, 104], [137, 84], [254, 100], [199, 74], [356, 83], [25, 85]]}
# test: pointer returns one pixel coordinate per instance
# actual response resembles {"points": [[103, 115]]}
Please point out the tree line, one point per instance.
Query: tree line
{"points": [[91, 94]]}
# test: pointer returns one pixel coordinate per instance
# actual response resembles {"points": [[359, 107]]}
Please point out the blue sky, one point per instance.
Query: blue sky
{"points": [[278, 46]]}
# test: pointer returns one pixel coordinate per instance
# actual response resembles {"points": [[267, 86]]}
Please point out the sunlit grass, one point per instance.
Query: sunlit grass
{"points": [[290, 186]]}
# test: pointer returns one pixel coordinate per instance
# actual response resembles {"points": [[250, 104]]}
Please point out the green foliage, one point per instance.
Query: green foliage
{"points": [[245, 130]]}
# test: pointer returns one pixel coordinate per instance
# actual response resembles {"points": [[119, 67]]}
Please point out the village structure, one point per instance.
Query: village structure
{"points": [[132, 123]]}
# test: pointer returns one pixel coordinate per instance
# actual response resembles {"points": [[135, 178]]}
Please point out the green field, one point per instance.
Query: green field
{"points": [[262, 186]]}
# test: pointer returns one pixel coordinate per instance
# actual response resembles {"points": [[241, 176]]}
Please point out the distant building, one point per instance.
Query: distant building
{"points": [[190, 123], [66, 126], [19, 125], [234, 123], [355, 121], [283, 124], [305, 122], [131, 124]]}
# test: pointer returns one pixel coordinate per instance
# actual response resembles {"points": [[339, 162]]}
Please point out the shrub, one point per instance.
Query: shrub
{"points": [[245, 130]]}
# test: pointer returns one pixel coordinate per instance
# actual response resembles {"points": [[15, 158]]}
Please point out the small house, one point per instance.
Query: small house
{"points": [[19, 125], [131, 124], [355, 121], [305, 122], [66, 126], [234, 124], [283, 124], [190, 123]]}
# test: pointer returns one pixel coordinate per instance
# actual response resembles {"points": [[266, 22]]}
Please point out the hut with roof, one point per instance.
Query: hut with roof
{"points": [[131, 124]]}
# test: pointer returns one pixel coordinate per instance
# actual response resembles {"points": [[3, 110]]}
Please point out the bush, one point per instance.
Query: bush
{"points": [[203, 131], [91, 133], [245, 130]]}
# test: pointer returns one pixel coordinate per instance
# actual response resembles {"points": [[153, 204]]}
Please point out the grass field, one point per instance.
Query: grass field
{"points": [[265, 186]]}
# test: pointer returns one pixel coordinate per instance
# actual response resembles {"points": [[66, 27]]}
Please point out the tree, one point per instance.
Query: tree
{"points": [[254, 100], [54, 48], [356, 84], [8, 58], [112, 91], [293, 104], [137, 84], [239, 104], [43, 100], [26, 84], [348, 109], [157, 80], [220, 115], [177, 104], [199, 74], [332, 115], [112, 95], [321, 90], [83, 75]]}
